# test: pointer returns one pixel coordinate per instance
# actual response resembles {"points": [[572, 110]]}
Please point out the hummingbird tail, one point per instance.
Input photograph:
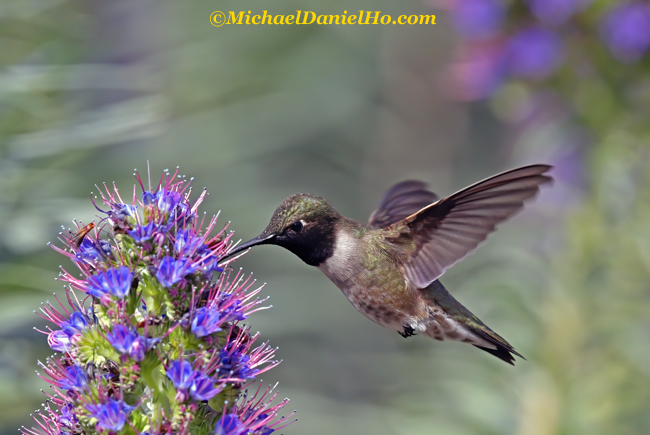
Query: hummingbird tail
{"points": [[503, 349], [461, 325]]}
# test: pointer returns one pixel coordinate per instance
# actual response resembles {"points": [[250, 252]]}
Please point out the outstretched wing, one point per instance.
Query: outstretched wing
{"points": [[401, 201], [447, 231]]}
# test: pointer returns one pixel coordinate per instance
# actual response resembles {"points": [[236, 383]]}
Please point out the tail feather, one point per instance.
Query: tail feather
{"points": [[439, 295], [503, 349]]}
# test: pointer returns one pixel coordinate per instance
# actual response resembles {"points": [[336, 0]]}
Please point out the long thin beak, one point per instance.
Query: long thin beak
{"points": [[253, 242]]}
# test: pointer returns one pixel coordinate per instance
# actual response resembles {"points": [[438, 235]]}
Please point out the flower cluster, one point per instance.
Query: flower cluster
{"points": [[148, 338], [532, 41]]}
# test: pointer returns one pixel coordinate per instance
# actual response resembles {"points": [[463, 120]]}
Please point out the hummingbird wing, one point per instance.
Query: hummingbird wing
{"points": [[401, 201], [446, 231]]}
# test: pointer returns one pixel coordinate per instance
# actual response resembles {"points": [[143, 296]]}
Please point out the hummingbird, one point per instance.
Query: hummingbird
{"points": [[389, 268]]}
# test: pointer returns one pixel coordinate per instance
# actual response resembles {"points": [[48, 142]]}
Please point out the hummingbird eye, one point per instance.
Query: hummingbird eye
{"points": [[296, 226]]}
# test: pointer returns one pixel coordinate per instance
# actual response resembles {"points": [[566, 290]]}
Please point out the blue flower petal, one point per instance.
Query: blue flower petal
{"points": [[116, 282], [181, 374], [110, 416], [75, 379], [203, 388], [171, 271], [76, 324], [122, 338], [229, 424], [205, 322]]}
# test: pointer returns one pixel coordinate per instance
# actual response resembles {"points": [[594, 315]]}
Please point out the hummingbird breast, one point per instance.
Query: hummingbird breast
{"points": [[369, 273]]}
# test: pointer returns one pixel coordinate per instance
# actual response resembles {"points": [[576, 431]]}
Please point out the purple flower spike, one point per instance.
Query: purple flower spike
{"points": [[104, 339], [478, 19], [626, 31], [115, 282], [229, 424], [75, 379], [205, 322], [181, 374], [171, 271], [203, 388], [110, 416], [534, 53], [555, 12]]}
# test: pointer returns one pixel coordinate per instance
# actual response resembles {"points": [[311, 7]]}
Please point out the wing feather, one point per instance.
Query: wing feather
{"points": [[448, 230], [401, 201]]}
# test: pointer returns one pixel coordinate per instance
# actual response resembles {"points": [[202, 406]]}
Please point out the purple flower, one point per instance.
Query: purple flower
{"points": [[91, 251], [67, 417], [142, 233], [167, 200], [171, 271], [555, 12], [59, 341], [205, 322], [129, 342], [534, 53], [75, 378], [187, 242], [148, 198], [236, 363], [110, 416], [626, 31], [203, 388], [70, 330], [229, 424], [478, 19], [76, 324], [123, 212], [181, 374], [116, 282]]}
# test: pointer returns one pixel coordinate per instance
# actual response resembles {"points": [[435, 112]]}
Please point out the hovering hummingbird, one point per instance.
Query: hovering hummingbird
{"points": [[389, 268]]}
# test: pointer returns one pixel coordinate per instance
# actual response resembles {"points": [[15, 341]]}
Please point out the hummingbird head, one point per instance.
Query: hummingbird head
{"points": [[304, 224]]}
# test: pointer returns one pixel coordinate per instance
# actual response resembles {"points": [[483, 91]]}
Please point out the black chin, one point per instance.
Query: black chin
{"points": [[312, 251]]}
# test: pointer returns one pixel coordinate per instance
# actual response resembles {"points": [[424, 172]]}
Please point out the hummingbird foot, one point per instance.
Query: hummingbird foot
{"points": [[408, 332]]}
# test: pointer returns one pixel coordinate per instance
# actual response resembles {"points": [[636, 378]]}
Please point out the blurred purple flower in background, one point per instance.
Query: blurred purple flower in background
{"points": [[626, 31], [477, 73], [477, 19], [534, 53], [555, 12]]}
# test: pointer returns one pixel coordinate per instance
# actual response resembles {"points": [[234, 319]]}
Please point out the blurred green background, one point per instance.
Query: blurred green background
{"points": [[90, 90]]}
